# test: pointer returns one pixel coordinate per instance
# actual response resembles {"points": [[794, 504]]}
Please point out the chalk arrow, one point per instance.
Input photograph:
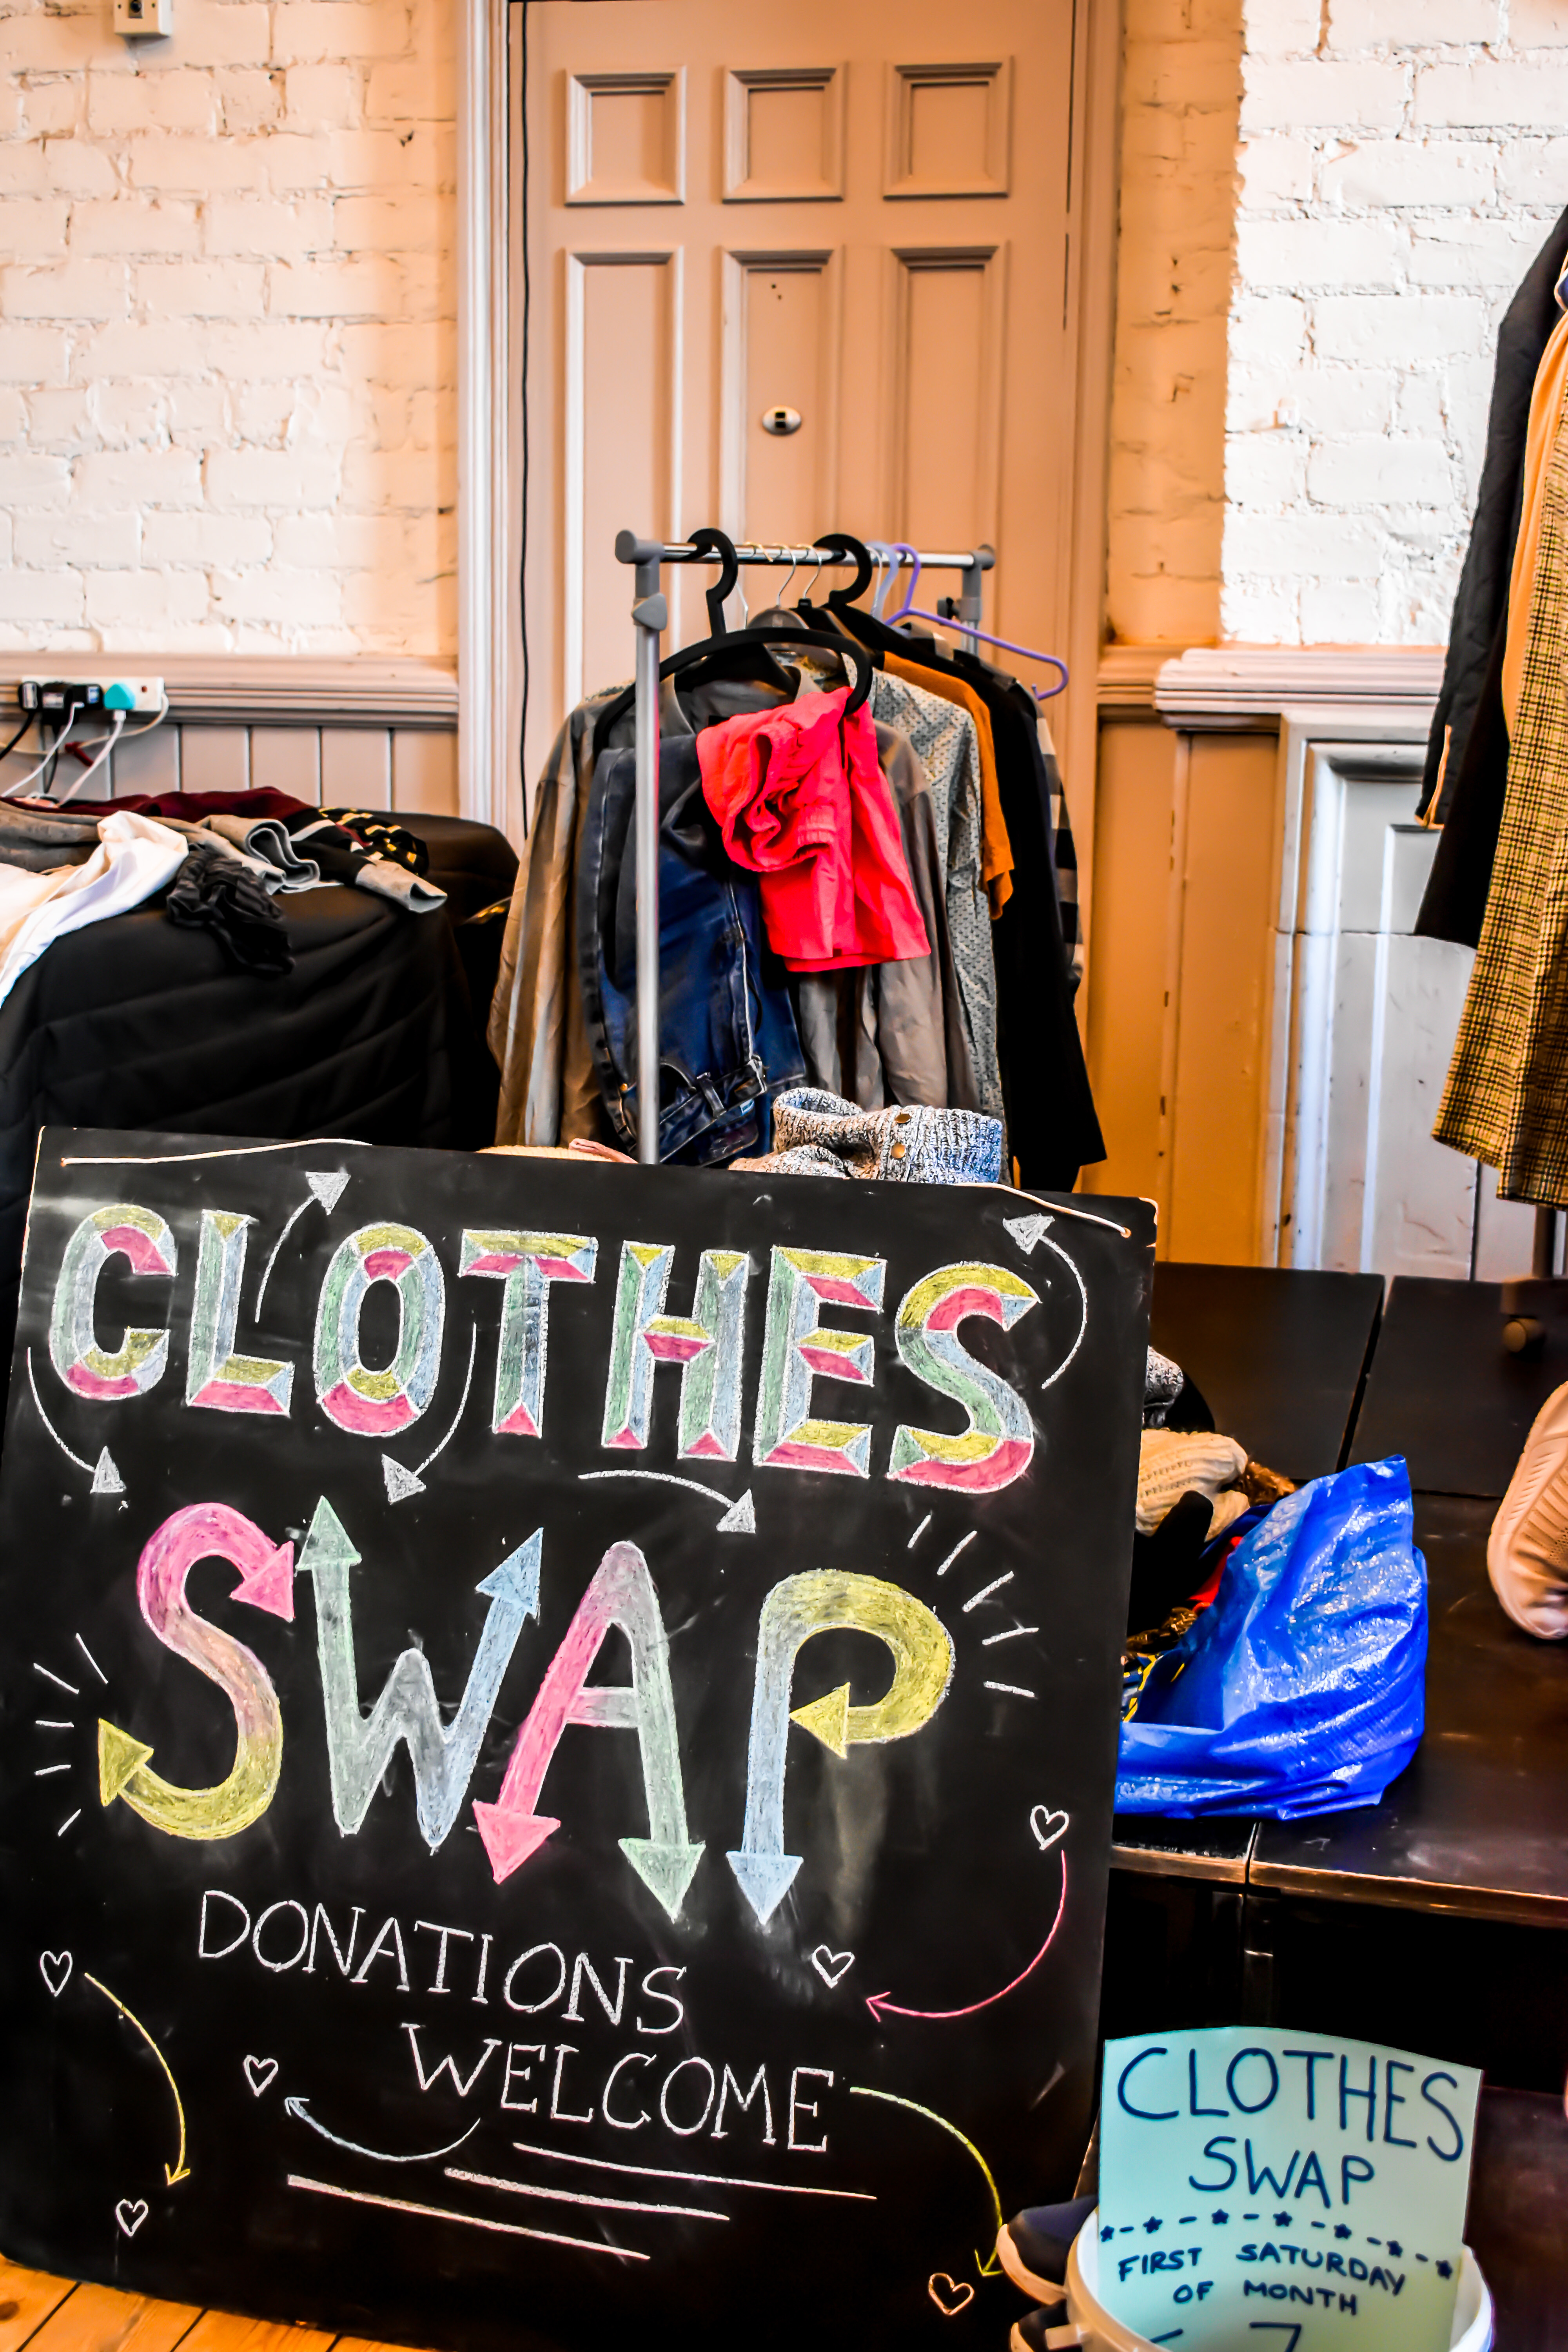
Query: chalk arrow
{"points": [[269, 1583], [179, 2170], [765, 1879], [359, 1749], [300, 2110], [738, 1519], [509, 1837], [666, 1871], [119, 1758], [828, 1720], [882, 2007], [206, 1531], [820, 1602], [1027, 1231], [106, 1478], [328, 1188], [863, 2091], [400, 1483], [621, 1594]]}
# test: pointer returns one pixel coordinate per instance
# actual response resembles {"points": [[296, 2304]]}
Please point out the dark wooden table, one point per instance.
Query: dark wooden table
{"points": [[1479, 1822], [1444, 1391], [1446, 1885], [1279, 1356]]}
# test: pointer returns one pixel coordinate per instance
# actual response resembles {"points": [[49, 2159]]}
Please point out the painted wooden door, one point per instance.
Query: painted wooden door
{"points": [[860, 214]]}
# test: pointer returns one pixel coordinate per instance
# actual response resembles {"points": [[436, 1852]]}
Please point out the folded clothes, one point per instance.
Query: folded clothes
{"points": [[41, 839], [341, 859], [265, 842], [818, 1134], [392, 841], [132, 859], [1173, 1463], [217, 891]]}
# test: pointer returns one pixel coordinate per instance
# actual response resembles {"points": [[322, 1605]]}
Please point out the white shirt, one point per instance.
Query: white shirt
{"points": [[134, 857]]}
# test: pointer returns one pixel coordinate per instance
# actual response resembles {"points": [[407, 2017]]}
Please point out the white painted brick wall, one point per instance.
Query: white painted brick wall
{"points": [[1180, 95], [1401, 162], [227, 344]]}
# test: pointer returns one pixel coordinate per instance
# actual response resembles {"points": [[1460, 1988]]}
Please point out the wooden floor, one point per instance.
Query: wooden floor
{"points": [[54, 2314]]}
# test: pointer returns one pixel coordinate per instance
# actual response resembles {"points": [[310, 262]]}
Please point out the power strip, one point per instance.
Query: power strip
{"points": [[55, 698]]}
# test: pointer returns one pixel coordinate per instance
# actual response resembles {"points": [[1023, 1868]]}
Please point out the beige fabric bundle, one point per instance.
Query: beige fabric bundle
{"points": [[1173, 1463]]}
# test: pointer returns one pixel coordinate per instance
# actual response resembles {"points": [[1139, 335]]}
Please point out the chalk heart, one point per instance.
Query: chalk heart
{"points": [[259, 2073], [131, 2216], [950, 2295], [56, 1968], [1048, 1827], [832, 1967]]}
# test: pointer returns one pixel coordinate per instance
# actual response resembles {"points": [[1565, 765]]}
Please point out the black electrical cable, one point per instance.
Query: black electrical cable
{"points": [[6, 750], [522, 531]]}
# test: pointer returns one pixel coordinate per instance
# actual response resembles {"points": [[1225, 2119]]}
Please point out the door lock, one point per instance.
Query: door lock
{"points": [[781, 420]]}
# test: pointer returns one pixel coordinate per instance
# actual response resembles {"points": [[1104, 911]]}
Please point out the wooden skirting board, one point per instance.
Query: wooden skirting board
{"points": [[1205, 688], [55, 2315], [268, 689]]}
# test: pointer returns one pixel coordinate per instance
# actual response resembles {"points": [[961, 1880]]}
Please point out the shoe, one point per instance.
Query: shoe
{"points": [[1527, 1551], [1033, 2247]]}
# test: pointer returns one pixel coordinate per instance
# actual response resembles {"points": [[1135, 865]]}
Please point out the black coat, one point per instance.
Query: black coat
{"points": [[1469, 715]]}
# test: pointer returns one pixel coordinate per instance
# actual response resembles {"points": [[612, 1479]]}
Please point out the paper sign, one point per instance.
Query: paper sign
{"points": [[1264, 2189]]}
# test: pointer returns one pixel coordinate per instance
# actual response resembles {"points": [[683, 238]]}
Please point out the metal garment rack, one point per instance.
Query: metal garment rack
{"points": [[650, 618]]}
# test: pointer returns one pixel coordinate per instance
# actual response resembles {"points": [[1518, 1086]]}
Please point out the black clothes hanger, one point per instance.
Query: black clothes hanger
{"points": [[736, 644], [840, 542], [709, 541]]}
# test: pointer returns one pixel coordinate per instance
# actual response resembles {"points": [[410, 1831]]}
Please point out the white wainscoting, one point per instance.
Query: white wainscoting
{"points": [[1365, 1016], [363, 731], [331, 767]]}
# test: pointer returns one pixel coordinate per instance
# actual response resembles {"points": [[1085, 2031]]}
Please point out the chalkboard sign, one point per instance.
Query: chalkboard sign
{"points": [[559, 1734]]}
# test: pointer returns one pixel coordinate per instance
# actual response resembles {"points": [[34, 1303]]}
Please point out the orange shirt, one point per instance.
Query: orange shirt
{"points": [[995, 848]]}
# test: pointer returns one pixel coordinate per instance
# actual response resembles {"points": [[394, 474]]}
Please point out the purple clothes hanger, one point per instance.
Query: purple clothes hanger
{"points": [[910, 610]]}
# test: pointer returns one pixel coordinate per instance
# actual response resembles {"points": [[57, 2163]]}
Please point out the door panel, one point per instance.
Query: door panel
{"points": [[622, 456], [626, 138], [784, 354], [860, 214], [784, 136], [948, 131], [943, 370]]}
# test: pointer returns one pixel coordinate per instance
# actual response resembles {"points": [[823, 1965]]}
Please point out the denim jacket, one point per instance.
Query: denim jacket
{"points": [[728, 1041]]}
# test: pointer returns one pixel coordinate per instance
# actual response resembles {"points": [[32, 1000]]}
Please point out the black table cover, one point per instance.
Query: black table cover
{"points": [[377, 1034]]}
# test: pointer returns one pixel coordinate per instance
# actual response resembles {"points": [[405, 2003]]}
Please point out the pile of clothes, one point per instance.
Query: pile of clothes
{"points": [[1198, 1495], [223, 858], [871, 896]]}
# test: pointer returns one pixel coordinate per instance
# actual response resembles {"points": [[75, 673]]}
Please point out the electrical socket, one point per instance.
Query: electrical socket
{"points": [[138, 694], [55, 697], [141, 20]]}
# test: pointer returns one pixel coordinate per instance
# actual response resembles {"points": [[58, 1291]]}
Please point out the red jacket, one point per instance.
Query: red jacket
{"points": [[802, 803]]}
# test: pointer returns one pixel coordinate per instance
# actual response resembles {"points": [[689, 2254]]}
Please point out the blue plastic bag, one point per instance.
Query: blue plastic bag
{"points": [[1302, 1689]]}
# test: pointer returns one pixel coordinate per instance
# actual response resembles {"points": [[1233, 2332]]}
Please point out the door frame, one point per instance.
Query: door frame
{"points": [[490, 642], [491, 426]]}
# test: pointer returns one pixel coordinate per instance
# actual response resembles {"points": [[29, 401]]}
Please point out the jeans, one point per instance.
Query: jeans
{"points": [[728, 1041]]}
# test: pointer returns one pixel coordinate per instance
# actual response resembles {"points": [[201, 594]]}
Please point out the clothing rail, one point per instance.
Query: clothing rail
{"points": [[650, 618]]}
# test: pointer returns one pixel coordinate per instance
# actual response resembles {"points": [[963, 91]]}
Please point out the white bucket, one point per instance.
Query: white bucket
{"points": [[1090, 2324]]}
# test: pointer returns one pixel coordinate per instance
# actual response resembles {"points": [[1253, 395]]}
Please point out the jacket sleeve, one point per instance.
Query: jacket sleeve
{"points": [[1482, 595], [528, 1011]]}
